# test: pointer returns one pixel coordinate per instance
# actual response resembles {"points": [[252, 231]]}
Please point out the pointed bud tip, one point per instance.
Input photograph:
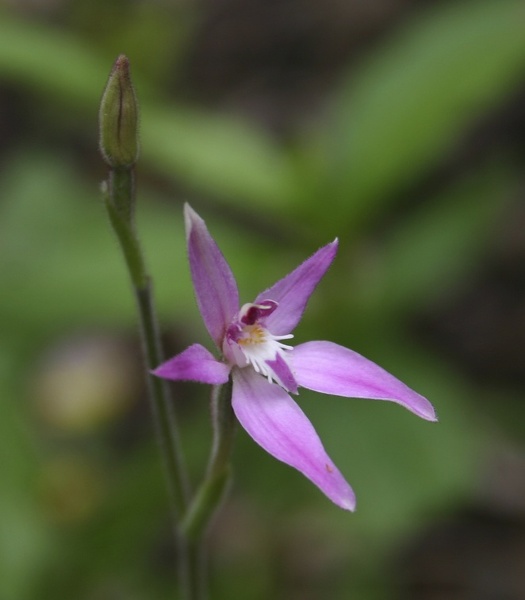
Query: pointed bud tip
{"points": [[122, 63], [118, 117]]}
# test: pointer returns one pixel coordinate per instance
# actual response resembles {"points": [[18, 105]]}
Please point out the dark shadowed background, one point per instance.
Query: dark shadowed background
{"points": [[396, 125]]}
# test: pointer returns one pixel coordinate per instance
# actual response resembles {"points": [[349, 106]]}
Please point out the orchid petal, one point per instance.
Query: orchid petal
{"points": [[277, 424], [213, 280], [293, 291], [194, 364], [332, 369]]}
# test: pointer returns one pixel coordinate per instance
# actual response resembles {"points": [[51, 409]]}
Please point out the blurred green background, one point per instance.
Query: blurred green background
{"points": [[396, 125]]}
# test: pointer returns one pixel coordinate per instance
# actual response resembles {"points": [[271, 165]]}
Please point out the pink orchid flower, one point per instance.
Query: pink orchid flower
{"points": [[265, 370]]}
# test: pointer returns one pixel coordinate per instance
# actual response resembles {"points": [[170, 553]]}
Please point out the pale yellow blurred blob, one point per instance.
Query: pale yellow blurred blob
{"points": [[85, 383]]}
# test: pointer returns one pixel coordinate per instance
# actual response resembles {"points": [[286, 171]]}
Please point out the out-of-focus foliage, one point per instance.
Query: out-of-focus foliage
{"points": [[83, 510]]}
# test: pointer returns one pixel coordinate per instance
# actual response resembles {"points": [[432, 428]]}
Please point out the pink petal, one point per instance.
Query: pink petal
{"points": [[277, 424], [331, 369], [194, 364], [293, 291], [213, 280]]}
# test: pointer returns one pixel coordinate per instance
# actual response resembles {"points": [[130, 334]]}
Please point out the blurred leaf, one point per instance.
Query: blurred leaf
{"points": [[219, 155], [409, 103], [433, 248], [50, 61], [212, 153], [58, 262]]}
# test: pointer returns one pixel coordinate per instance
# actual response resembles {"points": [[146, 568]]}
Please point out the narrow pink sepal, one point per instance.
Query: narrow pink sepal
{"points": [[213, 280], [276, 423], [293, 291], [332, 369], [194, 364]]}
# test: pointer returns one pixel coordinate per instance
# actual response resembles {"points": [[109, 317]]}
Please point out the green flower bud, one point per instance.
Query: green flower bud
{"points": [[118, 118]]}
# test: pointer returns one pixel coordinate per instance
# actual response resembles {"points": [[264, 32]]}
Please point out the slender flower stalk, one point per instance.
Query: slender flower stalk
{"points": [[252, 340], [212, 489], [119, 148]]}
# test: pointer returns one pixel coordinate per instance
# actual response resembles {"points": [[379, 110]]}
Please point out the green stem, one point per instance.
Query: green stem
{"points": [[162, 405], [212, 489], [120, 200]]}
